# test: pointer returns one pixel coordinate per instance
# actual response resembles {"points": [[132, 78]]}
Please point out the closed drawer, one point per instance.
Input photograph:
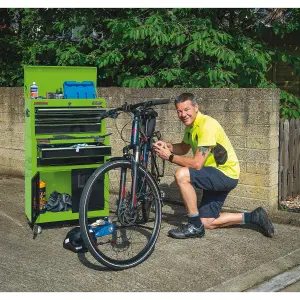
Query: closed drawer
{"points": [[68, 120]]}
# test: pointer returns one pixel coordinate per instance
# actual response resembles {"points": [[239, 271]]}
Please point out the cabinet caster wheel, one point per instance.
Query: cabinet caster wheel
{"points": [[36, 230]]}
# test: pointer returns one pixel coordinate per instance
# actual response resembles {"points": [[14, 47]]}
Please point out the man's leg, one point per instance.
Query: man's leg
{"points": [[189, 197], [212, 203], [211, 217], [194, 227], [210, 211], [258, 217], [225, 219], [187, 191]]}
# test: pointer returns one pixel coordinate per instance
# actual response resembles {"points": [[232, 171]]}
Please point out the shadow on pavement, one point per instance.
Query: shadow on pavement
{"points": [[82, 258]]}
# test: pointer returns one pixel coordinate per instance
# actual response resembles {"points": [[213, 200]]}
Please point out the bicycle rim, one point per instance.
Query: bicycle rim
{"points": [[133, 237]]}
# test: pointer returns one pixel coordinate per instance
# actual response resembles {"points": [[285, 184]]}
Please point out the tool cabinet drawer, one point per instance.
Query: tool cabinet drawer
{"points": [[66, 154], [67, 120], [71, 150]]}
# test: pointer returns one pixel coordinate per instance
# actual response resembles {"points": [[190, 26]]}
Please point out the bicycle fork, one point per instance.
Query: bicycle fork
{"points": [[134, 168]]}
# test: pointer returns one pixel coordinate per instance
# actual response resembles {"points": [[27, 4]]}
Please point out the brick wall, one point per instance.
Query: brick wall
{"points": [[250, 118]]}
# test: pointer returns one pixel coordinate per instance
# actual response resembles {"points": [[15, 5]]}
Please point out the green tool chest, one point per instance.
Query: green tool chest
{"points": [[64, 143]]}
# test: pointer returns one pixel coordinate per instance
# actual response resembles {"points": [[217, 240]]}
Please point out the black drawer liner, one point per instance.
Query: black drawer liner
{"points": [[68, 111], [66, 128], [70, 161]]}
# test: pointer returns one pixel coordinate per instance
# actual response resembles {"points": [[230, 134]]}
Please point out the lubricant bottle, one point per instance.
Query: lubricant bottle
{"points": [[42, 196], [60, 94], [34, 91]]}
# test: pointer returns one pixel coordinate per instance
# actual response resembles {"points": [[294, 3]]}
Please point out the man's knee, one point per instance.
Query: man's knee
{"points": [[182, 175], [208, 223]]}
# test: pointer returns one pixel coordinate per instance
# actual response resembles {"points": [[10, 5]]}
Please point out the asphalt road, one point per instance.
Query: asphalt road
{"points": [[229, 259]]}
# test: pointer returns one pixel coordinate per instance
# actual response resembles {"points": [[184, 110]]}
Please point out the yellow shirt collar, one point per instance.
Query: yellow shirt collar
{"points": [[197, 120]]}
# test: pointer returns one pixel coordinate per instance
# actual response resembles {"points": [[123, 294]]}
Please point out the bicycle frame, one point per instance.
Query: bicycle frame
{"points": [[141, 148]]}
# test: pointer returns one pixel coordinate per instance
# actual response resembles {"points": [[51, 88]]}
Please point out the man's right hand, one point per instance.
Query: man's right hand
{"points": [[164, 145]]}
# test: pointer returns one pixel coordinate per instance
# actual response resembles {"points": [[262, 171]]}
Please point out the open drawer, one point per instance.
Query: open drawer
{"points": [[66, 154]]}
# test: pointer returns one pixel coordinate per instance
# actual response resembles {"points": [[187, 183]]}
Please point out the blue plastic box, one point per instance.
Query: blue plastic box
{"points": [[79, 90]]}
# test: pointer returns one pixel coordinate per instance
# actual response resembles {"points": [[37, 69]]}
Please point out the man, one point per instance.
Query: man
{"points": [[214, 168]]}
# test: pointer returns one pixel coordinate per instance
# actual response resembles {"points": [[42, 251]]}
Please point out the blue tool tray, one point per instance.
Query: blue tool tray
{"points": [[79, 90]]}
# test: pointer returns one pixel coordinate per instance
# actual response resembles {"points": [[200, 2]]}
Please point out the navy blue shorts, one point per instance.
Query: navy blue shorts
{"points": [[215, 185]]}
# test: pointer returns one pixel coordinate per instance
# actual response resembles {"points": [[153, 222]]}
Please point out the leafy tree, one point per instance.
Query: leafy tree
{"points": [[153, 47]]}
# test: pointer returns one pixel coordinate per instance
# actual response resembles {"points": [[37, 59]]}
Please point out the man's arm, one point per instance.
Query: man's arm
{"points": [[180, 148], [195, 162]]}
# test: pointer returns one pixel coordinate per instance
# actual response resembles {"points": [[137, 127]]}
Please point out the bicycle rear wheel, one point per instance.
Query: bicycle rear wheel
{"points": [[129, 238]]}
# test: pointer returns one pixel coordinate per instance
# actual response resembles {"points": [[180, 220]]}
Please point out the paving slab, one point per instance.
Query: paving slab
{"points": [[228, 259], [295, 287], [279, 282]]}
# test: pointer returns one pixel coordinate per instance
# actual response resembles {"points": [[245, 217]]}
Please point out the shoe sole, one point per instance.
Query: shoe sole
{"points": [[270, 228], [187, 237]]}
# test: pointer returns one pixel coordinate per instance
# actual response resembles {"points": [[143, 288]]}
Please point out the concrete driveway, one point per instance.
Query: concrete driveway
{"points": [[231, 259]]}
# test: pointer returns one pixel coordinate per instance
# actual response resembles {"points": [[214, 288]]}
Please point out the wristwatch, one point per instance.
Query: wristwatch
{"points": [[171, 157]]}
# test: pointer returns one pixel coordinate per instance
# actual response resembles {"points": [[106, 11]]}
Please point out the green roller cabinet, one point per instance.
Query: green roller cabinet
{"points": [[64, 143]]}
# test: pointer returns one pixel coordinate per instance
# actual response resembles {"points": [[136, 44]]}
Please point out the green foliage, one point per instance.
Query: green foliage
{"points": [[289, 106], [150, 47]]}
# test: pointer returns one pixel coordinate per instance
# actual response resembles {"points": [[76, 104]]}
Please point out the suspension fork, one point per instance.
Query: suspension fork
{"points": [[134, 171], [122, 191], [136, 157]]}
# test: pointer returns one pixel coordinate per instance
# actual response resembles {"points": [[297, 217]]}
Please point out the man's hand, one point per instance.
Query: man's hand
{"points": [[163, 144], [162, 150]]}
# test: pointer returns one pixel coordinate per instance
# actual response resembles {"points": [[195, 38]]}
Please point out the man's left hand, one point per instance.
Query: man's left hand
{"points": [[162, 152]]}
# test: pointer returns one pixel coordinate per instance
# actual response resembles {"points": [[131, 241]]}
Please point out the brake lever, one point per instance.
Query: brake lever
{"points": [[114, 115], [125, 107]]}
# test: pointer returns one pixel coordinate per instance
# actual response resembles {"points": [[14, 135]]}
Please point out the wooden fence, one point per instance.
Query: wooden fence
{"points": [[289, 158]]}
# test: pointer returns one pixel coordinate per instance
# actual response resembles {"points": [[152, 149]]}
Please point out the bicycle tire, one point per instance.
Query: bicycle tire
{"points": [[98, 254]]}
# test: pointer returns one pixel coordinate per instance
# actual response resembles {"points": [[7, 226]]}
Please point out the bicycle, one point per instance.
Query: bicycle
{"points": [[134, 205]]}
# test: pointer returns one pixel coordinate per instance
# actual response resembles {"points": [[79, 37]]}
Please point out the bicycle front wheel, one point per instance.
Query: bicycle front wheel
{"points": [[129, 238]]}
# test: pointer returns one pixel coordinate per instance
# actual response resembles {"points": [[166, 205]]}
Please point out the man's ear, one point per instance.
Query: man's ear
{"points": [[197, 107]]}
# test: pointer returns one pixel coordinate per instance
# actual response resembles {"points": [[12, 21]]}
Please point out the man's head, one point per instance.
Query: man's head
{"points": [[187, 108]]}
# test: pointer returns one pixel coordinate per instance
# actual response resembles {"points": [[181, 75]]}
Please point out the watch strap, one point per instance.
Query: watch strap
{"points": [[171, 157]]}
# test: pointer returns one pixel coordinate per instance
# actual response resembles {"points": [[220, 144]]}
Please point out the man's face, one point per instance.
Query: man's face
{"points": [[187, 112]]}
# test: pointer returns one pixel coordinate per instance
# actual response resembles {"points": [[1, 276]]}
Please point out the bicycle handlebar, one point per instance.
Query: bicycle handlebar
{"points": [[113, 113], [149, 103]]}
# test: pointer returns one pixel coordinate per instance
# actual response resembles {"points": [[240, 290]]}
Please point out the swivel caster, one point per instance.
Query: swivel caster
{"points": [[36, 230]]}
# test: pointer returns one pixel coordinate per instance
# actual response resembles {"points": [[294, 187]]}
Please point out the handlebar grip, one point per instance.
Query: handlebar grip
{"points": [[108, 114], [160, 101], [149, 103]]}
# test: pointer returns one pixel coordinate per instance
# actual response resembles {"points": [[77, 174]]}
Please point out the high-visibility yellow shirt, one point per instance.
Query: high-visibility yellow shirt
{"points": [[206, 131]]}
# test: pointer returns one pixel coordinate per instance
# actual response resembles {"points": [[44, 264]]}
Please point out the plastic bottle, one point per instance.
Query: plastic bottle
{"points": [[42, 196], [34, 91], [61, 95]]}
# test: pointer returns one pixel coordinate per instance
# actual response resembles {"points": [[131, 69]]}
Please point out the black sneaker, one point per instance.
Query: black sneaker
{"points": [[187, 231], [260, 218]]}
